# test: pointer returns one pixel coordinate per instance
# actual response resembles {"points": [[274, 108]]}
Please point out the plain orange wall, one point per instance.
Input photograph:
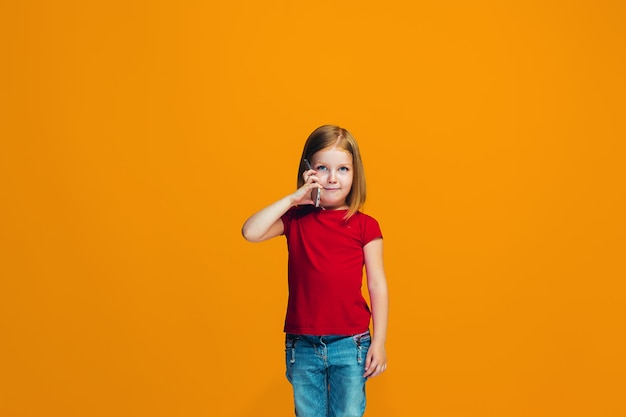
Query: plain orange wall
{"points": [[137, 136]]}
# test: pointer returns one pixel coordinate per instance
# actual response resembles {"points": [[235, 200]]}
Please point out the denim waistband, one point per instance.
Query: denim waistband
{"points": [[328, 338]]}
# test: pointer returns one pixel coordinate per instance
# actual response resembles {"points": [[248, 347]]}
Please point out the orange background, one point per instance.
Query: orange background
{"points": [[137, 136]]}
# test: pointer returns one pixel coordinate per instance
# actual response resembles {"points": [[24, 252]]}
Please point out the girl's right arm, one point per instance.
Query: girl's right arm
{"points": [[266, 223]]}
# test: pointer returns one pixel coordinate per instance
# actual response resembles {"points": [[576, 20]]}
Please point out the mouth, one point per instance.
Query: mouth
{"points": [[331, 189]]}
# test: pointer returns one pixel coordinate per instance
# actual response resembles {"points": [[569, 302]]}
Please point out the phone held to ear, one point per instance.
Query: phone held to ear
{"points": [[317, 193]]}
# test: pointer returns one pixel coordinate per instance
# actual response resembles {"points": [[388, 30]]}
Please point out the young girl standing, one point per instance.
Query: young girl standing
{"points": [[329, 350]]}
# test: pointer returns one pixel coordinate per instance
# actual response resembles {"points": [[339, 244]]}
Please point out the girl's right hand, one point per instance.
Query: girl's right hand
{"points": [[304, 195], [266, 223]]}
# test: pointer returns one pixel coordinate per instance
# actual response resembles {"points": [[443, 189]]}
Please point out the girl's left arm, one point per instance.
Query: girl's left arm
{"points": [[376, 361]]}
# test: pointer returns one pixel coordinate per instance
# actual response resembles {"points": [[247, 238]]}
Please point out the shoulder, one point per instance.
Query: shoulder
{"points": [[370, 228], [294, 214], [297, 212], [365, 218]]}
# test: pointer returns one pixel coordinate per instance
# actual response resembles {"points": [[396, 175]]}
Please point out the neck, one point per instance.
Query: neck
{"points": [[340, 207]]}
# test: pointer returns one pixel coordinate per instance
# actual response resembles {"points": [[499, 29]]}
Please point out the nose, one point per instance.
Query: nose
{"points": [[331, 176]]}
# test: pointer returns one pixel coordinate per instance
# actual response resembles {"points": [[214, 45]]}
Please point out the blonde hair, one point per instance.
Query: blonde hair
{"points": [[329, 136]]}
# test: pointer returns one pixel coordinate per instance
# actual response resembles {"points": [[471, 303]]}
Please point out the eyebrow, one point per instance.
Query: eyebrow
{"points": [[326, 163]]}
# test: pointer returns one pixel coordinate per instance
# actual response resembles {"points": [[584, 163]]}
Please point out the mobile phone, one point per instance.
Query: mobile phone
{"points": [[318, 192]]}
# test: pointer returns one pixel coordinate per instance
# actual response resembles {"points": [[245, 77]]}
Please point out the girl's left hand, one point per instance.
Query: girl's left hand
{"points": [[376, 362]]}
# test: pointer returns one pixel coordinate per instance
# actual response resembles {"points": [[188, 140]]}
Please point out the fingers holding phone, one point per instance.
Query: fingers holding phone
{"points": [[310, 178]]}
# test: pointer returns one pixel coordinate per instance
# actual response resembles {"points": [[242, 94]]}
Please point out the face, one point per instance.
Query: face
{"points": [[335, 172]]}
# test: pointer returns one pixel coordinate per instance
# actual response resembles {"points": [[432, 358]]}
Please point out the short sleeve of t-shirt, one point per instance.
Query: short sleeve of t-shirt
{"points": [[286, 218], [370, 229]]}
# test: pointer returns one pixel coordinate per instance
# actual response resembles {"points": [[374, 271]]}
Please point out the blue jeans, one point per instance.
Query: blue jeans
{"points": [[326, 373]]}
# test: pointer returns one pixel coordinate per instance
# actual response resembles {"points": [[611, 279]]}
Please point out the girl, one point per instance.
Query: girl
{"points": [[329, 351]]}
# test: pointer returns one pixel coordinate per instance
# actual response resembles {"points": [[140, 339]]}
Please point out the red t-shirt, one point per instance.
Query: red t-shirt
{"points": [[326, 270]]}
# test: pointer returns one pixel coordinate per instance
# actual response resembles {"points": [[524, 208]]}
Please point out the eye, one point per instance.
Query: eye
{"points": [[344, 169], [321, 168]]}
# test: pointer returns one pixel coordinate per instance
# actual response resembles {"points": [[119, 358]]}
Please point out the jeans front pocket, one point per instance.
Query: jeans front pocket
{"points": [[290, 347], [362, 342]]}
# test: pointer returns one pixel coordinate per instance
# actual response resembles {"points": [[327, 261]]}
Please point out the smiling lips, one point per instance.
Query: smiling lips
{"points": [[331, 189]]}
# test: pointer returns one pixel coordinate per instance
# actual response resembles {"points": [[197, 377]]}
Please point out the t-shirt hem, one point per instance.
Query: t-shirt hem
{"points": [[327, 332]]}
